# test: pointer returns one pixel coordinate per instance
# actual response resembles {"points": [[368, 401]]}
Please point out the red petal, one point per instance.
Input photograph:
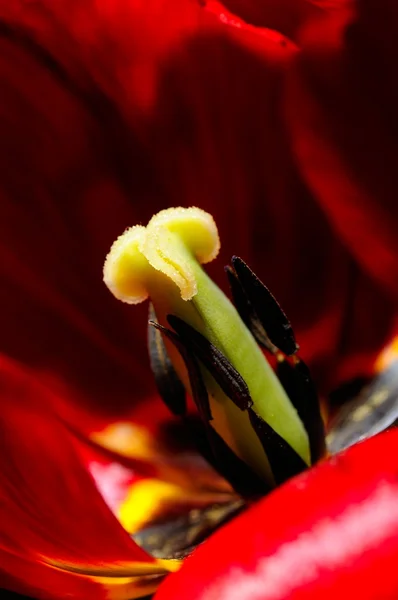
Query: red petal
{"points": [[342, 109], [330, 533], [285, 16], [56, 532]]}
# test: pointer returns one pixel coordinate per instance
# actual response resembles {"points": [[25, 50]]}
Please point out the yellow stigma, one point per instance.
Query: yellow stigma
{"points": [[167, 244]]}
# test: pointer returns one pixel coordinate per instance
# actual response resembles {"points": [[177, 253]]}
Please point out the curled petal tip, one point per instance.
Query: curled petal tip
{"points": [[172, 242]]}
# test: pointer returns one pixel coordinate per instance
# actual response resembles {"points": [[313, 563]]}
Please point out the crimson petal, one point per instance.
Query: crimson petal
{"points": [[56, 532], [285, 16], [330, 532], [341, 107]]}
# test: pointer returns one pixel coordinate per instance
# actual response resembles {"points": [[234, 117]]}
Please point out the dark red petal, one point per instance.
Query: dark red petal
{"points": [[56, 532], [331, 532], [341, 102]]}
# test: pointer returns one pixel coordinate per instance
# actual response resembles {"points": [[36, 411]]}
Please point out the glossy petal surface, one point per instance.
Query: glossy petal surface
{"points": [[330, 532], [285, 16]]}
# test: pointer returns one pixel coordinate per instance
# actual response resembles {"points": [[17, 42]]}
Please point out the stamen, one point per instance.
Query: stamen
{"points": [[297, 382], [284, 461], [167, 381], [269, 312], [241, 477], [199, 391], [247, 312], [246, 482], [373, 409], [178, 538], [227, 377]]}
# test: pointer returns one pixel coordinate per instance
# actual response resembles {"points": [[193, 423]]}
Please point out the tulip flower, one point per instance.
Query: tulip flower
{"points": [[277, 118]]}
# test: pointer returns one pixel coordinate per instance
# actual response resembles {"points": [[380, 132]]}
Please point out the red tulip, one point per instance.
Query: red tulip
{"points": [[113, 109], [330, 532]]}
